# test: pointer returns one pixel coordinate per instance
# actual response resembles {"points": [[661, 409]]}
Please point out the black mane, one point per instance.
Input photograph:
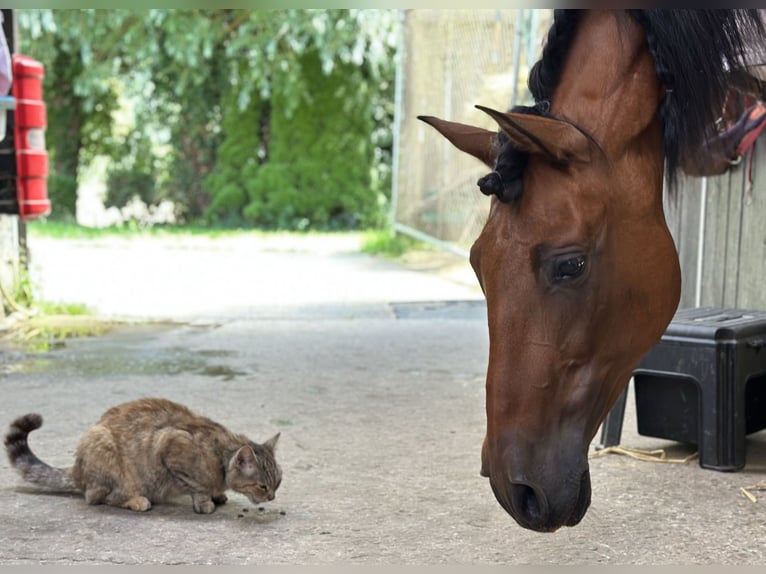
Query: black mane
{"points": [[505, 180], [694, 52]]}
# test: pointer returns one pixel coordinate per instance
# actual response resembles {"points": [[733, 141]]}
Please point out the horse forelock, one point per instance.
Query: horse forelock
{"points": [[509, 166]]}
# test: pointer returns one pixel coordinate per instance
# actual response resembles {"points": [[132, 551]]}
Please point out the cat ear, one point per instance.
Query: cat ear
{"points": [[271, 444], [244, 460]]}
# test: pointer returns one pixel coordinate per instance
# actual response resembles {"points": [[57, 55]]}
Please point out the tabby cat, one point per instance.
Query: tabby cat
{"points": [[149, 450]]}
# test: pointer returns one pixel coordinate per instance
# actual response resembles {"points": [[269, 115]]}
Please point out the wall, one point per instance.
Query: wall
{"points": [[719, 224], [450, 60]]}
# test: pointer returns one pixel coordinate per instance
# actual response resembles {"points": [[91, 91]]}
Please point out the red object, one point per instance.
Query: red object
{"points": [[30, 121]]}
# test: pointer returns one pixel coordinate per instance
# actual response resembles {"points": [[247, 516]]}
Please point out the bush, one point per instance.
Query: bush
{"points": [[388, 243], [122, 185], [226, 182], [319, 158], [316, 169], [62, 193]]}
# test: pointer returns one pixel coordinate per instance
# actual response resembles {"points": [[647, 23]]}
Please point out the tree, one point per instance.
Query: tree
{"points": [[186, 71], [312, 89], [78, 88]]}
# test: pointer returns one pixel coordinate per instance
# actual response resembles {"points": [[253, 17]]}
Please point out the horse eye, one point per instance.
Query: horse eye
{"points": [[567, 267]]}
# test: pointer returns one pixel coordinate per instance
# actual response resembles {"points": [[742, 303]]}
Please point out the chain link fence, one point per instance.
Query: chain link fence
{"points": [[451, 60]]}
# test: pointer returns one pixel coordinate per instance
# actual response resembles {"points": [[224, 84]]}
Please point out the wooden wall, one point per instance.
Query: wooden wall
{"points": [[732, 229]]}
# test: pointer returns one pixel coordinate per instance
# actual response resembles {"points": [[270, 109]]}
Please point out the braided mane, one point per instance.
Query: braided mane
{"points": [[694, 52], [506, 180]]}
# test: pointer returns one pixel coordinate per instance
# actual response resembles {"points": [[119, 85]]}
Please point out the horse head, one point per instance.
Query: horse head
{"points": [[578, 288], [579, 270]]}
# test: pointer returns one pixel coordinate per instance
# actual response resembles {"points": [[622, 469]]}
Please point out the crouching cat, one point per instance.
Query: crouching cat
{"points": [[146, 451]]}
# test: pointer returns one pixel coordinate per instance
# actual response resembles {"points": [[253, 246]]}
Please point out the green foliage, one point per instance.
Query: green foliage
{"points": [[319, 158], [79, 49], [48, 308], [388, 243], [196, 86], [54, 325], [133, 173], [217, 96], [306, 157], [122, 185], [238, 152], [68, 230], [62, 193], [228, 201], [23, 290]]}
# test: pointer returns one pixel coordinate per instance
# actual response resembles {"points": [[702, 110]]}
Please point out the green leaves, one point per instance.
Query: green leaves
{"points": [[182, 72]]}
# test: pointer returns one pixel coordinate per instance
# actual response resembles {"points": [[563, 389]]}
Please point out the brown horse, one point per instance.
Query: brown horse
{"points": [[579, 270]]}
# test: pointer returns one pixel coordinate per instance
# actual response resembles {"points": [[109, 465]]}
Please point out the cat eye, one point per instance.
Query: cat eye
{"points": [[263, 487]]}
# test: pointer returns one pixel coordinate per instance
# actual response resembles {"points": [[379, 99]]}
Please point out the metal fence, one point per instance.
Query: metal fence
{"points": [[451, 60]]}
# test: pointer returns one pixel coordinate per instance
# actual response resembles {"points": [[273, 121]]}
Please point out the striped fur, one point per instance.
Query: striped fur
{"points": [[149, 450], [31, 468]]}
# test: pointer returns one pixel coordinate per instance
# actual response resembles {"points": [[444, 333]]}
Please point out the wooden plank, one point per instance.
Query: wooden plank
{"points": [[715, 240], [686, 229], [751, 280], [734, 231], [734, 240]]}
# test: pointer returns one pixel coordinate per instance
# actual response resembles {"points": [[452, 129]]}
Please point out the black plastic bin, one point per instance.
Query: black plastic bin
{"points": [[704, 383]]}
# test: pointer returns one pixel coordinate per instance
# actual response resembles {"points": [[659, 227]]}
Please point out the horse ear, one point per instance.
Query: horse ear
{"points": [[478, 142], [559, 140]]}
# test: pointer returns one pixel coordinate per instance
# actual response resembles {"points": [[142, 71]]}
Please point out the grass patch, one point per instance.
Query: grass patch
{"points": [[62, 230], [388, 243], [47, 308], [44, 333], [50, 325], [41, 325]]}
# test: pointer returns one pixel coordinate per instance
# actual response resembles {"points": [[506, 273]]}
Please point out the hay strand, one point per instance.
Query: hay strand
{"points": [[746, 490], [657, 455]]}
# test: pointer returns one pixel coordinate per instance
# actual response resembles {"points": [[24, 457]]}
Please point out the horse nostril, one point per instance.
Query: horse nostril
{"points": [[530, 506]]}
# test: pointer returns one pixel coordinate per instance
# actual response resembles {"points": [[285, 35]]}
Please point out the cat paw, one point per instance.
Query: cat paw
{"points": [[220, 499], [204, 507], [138, 504]]}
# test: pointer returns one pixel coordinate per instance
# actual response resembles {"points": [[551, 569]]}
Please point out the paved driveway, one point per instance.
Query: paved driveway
{"points": [[374, 375]]}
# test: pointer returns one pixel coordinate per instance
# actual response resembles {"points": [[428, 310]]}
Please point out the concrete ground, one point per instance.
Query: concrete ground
{"points": [[374, 375]]}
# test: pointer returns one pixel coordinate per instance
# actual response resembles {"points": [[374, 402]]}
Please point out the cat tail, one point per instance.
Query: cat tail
{"points": [[31, 468]]}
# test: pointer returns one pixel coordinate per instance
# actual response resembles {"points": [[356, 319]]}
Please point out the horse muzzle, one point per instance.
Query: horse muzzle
{"points": [[540, 509], [543, 501]]}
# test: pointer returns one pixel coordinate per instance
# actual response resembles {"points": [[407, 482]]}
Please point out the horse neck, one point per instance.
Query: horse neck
{"points": [[609, 86]]}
